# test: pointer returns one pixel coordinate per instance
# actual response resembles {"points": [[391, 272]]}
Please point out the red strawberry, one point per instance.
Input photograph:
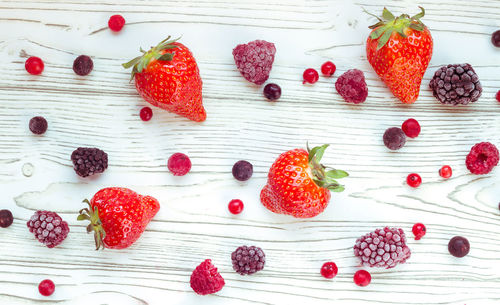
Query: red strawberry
{"points": [[399, 50], [167, 76], [118, 216], [299, 185]]}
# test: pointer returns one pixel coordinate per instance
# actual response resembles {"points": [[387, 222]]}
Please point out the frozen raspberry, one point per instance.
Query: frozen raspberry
{"points": [[459, 246], [495, 38], [48, 228], [394, 138], [382, 248], [352, 86], [411, 128], [272, 92], [46, 287], [235, 206], [248, 260], [329, 270], [328, 68], [482, 158], [89, 161], [38, 125], [116, 23], [34, 65], [6, 218], [310, 76], [205, 279], [255, 60], [362, 278], [242, 170], [179, 164], [83, 65], [456, 84]]}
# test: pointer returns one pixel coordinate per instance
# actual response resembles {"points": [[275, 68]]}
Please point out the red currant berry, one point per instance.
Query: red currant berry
{"points": [[328, 68], [310, 76], [329, 270], [498, 96], [46, 287], [445, 171], [411, 128], [34, 65], [146, 114], [414, 180], [418, 230], [179, 164], [235, 206], [116, 23], [362, 278]]}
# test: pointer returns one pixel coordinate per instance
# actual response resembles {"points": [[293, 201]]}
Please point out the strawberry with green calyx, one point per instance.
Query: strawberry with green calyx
{"points": [[399, 49], [168, 77], [299, 185], [118, 216]]}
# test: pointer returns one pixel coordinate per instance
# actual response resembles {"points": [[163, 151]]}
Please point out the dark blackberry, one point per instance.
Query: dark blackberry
{"points": [[456, 84], [394, 138], [38, 125], [48, 228], [248, 260], [459, 246], [83, 65], [89, 161], [242, 170], [6, 218]]}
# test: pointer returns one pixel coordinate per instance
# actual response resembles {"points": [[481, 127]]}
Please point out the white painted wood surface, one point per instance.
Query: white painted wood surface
{"points": [[193, 223]]}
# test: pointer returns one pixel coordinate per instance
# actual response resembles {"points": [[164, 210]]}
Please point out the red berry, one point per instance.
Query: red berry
{"points": [[310, 76], [146, 114], [179, 164], [418, 230], [498, 96], [411, 128], [34, 65], [329, 270], [116, 23], [328, 68], [46, 287], [362, 278], [414, 180], [445, 171], [235, 206]]}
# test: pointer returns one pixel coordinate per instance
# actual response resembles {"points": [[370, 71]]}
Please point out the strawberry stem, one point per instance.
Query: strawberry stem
{"points": [[92, 215], [321, 176]]}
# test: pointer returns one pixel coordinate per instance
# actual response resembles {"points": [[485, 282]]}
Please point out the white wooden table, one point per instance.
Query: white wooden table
{"points": [[101, 110]]}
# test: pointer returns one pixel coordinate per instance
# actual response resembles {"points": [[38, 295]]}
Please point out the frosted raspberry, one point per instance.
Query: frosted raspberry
{"points": [[482, 158], [48, 228], [382, 248], [205, 279], [352, 86], [255, 60]]}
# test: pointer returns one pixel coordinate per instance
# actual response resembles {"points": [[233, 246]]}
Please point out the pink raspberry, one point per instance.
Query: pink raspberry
{"points": [[48, 228], [352, 86], [205, 279], [482, 158], [255, 60]]}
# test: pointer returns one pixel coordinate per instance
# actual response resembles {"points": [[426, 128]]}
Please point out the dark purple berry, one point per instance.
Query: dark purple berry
{"points": [[83, 65], [89, 161], [272, 92], [456, 84], [394, 138], [38, 125], [459, 246], [242, 170], [6, 218], [248, 260], [495, 39]]}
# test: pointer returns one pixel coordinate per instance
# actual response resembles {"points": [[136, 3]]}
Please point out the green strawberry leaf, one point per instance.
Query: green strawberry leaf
{"points": [[336, 174], [317, 152], [384, 39], [83, 217], [416, 26], [378, 32], [419, 15], [338, 189], [166, 56], [387, 15]]}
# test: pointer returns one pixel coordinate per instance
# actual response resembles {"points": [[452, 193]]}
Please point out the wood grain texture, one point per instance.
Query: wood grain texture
{"points": [[193, 223]]}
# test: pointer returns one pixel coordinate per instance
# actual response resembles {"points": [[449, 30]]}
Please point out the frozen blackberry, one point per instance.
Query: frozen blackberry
{"points": [[38, 125], [459, 246], [394, 138], [48, 228], [6, 218], [242, 170], [248, 260], [352, 86], [89, 161], [83, 65], [382, 248], [456, 84]]}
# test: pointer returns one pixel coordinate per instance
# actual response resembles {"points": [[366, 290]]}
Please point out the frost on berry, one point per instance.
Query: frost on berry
{"points": [[255, 60], [456, 84], [248, 260], [352, 86], [482, 158], [48, 228]]}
